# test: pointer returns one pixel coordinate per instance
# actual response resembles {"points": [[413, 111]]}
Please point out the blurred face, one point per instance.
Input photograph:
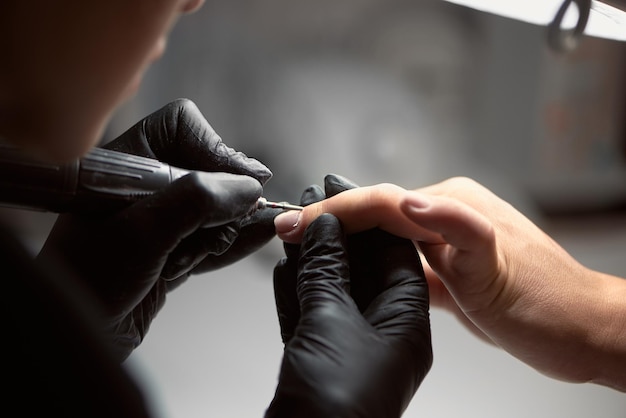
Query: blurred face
{"points": [[67, 64]]}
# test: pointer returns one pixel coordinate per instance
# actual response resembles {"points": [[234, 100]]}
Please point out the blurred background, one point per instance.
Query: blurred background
{"points": [[403, 91]]}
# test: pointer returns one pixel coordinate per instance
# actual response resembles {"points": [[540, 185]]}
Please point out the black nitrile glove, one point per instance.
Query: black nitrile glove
{"points": [[130, 259], [354, 319]]}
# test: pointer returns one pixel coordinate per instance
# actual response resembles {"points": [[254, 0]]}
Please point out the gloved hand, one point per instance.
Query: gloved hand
{"points": [[354, 319], [130, 259]]}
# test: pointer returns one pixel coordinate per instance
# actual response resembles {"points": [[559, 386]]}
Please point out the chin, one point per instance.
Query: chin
{"points": [[69, 153], [131, 90], [64, 147], [59, 133], [132, 87]]}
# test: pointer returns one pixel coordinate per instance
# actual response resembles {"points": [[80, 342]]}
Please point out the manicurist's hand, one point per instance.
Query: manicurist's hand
{"points": [[131, 258], [353, 313], [504, 278]]}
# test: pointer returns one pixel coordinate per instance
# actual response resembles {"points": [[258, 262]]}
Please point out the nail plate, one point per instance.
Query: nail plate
{"points": [[287, 221]]}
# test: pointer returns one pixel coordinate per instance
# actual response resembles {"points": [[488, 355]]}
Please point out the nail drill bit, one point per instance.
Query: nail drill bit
{"points": [[264, 203]]}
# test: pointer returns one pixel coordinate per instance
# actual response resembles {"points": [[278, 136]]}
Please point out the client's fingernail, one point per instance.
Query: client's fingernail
{"points": [[416, 201], [287, 221]]}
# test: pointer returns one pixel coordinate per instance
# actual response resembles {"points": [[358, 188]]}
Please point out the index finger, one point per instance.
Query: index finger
{"points": [[358, 210]]}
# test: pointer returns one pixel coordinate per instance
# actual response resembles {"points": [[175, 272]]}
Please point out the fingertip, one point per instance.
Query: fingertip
{"points": [[311, 195], [289, 238], [259, 171], [335, 184], [211, 198]]}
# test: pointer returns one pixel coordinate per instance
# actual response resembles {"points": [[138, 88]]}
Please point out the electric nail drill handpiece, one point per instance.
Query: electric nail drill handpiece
{"points": [[101, 180]]}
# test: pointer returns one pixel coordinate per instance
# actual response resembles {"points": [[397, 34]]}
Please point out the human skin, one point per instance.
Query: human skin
{"points": [[67, 65], [502, 276]]}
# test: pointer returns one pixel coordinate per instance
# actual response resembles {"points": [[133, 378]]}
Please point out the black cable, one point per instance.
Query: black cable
{"points": [[564, 40]]}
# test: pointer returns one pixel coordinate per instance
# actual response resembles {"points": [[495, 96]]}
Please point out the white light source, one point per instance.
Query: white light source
{"points": [[604, 21]]}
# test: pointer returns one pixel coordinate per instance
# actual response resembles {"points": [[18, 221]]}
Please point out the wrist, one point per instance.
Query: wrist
{"points": [[575, 334], [608, 333]]}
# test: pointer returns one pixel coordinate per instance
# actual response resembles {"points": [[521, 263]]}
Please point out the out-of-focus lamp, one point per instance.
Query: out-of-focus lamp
{"points": [[566, 20]]}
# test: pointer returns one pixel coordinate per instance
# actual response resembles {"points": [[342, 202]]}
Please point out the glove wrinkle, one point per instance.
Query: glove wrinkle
{"points": [[192, 250], [335, 184], [287, 304], [312, 194], [323, 255], [254, 231]]}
